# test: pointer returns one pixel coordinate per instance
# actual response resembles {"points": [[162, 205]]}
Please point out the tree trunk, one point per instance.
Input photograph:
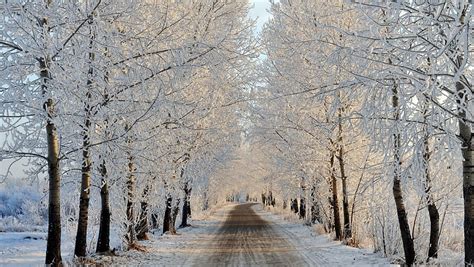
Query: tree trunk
{"points": [[468, 178], [205, 204], [174, 215], [103, 241], [142, 226], [167, 217], [334, 200], [187, 205], [294, 205], [185, 214], [81, 236], [302, 211], [131, 234], [53, 244], [345, 202], [407, 240], [408, 246], [345, 198], [432, 209], [468, 193], [434, 231], [154, 221], [315, 212]]}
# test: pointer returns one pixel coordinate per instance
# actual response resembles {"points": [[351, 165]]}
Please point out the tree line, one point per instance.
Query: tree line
{"points": [[121, 105], [365, 110]]}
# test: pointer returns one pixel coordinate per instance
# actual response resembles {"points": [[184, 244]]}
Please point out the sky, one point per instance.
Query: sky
{"points": [[260, 12]]}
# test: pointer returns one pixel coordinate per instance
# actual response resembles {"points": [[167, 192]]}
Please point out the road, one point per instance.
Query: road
{"points": [[246, 239], [244, 235]]}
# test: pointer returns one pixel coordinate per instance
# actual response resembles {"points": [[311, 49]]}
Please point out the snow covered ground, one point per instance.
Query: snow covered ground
{"points": [[319, 249], [193, 245], [22, 248]]}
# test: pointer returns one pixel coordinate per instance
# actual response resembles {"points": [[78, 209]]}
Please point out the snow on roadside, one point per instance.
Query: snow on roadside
{"points": [[22, 248], [190, 244], [182, 249], [318, 248], [173, 250], [28, 248]]}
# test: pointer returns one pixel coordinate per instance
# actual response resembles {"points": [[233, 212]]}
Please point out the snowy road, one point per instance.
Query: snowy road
{"points": [[245, 239], [233, 235], [244, 235]]}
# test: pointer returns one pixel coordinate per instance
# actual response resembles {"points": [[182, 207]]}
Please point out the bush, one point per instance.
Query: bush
{"points": [[21, 205]]}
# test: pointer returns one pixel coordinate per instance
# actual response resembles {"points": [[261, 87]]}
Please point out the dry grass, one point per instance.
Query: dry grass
{"points": [[319, 229], [137, 247]]}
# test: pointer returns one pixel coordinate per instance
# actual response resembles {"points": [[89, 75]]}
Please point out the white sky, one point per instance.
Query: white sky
{"points": [[260, 12]]}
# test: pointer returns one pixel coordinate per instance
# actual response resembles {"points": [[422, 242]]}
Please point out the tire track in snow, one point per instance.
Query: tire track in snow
{"points": [[246, 239]]}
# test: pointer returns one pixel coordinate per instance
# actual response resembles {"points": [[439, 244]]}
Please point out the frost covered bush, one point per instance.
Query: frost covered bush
{"points": [[21, 208]]}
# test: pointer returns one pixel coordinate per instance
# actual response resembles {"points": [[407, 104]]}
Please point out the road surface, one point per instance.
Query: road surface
{"points": [[244, 235], [246, 239]]}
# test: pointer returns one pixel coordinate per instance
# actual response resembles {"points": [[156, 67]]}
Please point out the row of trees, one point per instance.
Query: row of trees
{"points": [[359, 99], [126, 100]]}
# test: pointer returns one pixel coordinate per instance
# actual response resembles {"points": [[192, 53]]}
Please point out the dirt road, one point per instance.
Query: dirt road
{"points": [[245, 239]]}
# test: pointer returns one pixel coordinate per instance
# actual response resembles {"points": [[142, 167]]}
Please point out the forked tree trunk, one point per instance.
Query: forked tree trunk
{"points": [[334, 199], [407, 240], [103, 241]]}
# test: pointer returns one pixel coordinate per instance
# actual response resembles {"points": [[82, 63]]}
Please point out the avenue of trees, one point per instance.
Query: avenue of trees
{"points": [[357, 115]]}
